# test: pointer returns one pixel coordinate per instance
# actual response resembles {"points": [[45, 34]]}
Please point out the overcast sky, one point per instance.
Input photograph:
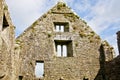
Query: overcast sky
{"points": [[103, 16]]}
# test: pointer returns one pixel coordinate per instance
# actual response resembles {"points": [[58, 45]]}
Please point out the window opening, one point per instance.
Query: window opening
{"points": [[5, 23], [61, 27], [39, 69], [64, 48], [20, 77]]}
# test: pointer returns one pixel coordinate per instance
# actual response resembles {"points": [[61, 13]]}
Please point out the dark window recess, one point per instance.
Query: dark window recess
{"points": [[64, 48], [20, 77], [61, 27], [85, 79], [5, 23]]}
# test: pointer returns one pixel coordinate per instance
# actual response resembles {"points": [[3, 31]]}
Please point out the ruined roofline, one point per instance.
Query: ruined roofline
{"points": [[50, 11], [118, 32], [42, 16], [6, 13]]}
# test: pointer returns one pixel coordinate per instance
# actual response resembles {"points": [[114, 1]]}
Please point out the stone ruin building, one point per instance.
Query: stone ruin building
{"points": [[57, 46]]}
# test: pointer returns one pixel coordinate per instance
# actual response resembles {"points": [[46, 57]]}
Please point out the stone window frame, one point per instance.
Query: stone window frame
{"points": [[61, 26], [43, 65], [69, 46]]}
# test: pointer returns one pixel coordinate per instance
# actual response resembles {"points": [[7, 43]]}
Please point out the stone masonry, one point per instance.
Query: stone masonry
{"points": [[38, 43], [86, 57], [7, 40]]}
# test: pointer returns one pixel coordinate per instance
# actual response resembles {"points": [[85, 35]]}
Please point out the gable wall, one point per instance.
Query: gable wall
{"points": [[37, 43]]}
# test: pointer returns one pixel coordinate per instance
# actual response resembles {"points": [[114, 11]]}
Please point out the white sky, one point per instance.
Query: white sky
{"points": [[103, 16]]}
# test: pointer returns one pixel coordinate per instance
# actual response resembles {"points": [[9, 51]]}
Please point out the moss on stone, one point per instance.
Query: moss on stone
{"points": [[76, 44], [49, 35], [35, 23], [18, 41], [82, 34], [44, 16], [5, 8], [91, 40], [71, 16], [84, 21], [60, 5], [92, 34], [97, 37]]}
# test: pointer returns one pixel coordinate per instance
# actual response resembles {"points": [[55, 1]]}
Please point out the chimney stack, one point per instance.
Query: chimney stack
{"points": [[118, 41]]}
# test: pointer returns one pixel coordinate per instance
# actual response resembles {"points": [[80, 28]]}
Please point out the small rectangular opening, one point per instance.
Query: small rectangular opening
{"points": [[61, 27], [20, 77], [64, 48], [85, 79], [39, 69]]}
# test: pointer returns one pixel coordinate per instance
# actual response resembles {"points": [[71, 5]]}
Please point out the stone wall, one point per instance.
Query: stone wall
{"points": [[113, 69], [109, 69], [108, 51], [37, 43], [6, 43], [88, 54], [1, 14]]}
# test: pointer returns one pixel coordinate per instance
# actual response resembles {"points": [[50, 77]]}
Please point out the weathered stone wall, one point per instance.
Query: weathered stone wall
{"points": [[16, 62], [109, 68], [108, 51], [37, 43], [113, 69], [1, 14], [6, 43]]}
